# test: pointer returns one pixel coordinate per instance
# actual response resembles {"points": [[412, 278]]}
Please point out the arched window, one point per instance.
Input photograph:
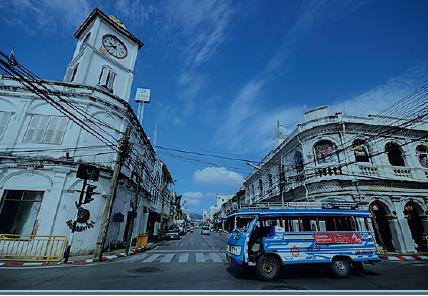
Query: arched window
{"points": [[360, 151], [325, 152], [270, 181], [253, 191], [260, 185], [422, 154], [394, 154], [298, 161]]}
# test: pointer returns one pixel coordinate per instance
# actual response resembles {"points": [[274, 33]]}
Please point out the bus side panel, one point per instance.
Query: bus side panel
{"points": [[300, 247]]}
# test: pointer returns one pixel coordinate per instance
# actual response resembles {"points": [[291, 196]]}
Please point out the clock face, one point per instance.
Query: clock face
{"points": [[114, 46]]}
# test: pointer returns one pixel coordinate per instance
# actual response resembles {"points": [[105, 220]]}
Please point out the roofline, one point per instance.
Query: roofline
{"points": [[300, 211], [97, 12]]}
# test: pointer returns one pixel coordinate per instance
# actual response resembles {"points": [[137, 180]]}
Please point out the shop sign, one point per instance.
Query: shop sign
{"points": [[83, 216], [337, 238]]}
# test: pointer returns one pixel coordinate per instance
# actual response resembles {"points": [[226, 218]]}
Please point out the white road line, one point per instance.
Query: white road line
{"points": [[200, 257], [167, 258], [152, 258], [215, 257], [183, 258], [209, 242]]}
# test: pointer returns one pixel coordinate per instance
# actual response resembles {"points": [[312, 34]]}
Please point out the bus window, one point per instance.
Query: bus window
{"points": [[294, 225], [323, 225]]}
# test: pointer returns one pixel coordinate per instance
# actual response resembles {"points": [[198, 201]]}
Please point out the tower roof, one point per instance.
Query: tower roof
{"points": [[113, 21]]}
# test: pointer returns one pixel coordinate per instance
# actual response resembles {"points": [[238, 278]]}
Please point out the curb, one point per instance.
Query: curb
{"points": [[407, 258], [77, 262]]}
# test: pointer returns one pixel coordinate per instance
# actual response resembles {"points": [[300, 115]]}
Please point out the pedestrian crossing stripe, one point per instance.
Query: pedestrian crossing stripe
{"points": [[184, 257]]}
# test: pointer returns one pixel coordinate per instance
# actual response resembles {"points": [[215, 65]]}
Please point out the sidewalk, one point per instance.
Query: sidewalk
{"points": [[406, 256], [86, 259]]}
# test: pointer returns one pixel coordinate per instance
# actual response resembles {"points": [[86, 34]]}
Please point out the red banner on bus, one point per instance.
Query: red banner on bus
{"points": [[337, 238]]}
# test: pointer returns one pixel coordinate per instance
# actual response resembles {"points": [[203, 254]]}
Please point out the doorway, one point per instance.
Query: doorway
{"points": [[382, 231], [412, 212]]}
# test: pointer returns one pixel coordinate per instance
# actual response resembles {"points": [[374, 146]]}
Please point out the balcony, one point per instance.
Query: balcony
{"points": [[367, 169]]}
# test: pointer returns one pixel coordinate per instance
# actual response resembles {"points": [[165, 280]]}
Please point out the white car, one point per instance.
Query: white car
{"points": [[205, 230]]}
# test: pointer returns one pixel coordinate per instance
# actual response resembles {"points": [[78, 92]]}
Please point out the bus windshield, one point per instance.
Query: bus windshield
{"points": [[242, 223]]}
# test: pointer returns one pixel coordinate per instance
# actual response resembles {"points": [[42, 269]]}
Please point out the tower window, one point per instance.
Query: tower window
{"points": [[73, 73], [107, 77], [85, 41]]}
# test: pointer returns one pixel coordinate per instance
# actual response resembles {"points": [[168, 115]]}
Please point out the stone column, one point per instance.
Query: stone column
{"points": [[145, 220], [402, 234]]}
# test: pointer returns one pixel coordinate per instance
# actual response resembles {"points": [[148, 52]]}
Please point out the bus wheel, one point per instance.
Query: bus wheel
{"points": [[340, 268], [268, 268]]}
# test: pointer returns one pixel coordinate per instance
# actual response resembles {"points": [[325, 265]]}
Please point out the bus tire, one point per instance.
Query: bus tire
{"points": [[340, 268], [267, 268]]}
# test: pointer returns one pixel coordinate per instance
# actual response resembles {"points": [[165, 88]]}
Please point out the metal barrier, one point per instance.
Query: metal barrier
{"points": [[142, 240], [15, 247]]}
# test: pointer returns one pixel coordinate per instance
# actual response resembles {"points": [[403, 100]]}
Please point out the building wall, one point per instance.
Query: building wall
{"points": [[49, 170], [376, 180]]}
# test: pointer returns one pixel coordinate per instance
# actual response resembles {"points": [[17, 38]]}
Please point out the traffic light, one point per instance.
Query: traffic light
{"points": [[89, 192]]}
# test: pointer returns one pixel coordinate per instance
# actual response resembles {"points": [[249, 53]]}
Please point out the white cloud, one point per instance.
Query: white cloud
{"points": [[383, 96], [193, 198], [196, 29], [218, 176], [47, 16]]}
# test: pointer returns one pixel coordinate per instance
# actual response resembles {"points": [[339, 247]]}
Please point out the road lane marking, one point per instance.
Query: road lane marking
{"points": [[152, 258], [183, 257], [215, 257], [200, 257], [167, 258], [209, 242]]}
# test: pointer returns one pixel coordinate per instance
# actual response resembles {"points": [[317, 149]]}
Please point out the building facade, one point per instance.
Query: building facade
{"points": [[379, 161], [48, 128]]}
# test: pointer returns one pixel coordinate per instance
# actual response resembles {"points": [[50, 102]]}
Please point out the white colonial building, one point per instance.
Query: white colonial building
{"points": [[338, 157], [48, 128]]}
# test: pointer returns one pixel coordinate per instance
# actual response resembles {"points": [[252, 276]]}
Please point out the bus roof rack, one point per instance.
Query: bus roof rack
{"points": [[344, 205]]}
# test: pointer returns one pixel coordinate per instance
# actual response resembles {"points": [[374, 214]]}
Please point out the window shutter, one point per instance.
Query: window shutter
{"points": [[4, 119], [60, 131], [112, 76], [103, 77], [36, 128], [74, 72], [51, 130]]}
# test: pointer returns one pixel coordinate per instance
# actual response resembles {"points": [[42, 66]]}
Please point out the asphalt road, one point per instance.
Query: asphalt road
{"points": [[198, 262]]}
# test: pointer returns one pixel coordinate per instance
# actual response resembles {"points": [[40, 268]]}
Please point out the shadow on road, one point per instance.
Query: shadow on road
{"points": [[295, 271]]}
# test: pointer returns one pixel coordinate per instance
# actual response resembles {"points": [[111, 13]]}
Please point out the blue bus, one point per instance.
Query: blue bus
{"points": [[271, 238]]}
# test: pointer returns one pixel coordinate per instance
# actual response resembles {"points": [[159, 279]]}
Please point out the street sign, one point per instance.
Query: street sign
{"points": [[142, 95], [88, 172]]}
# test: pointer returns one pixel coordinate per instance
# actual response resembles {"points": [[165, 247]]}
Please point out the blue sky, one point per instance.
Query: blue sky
{"points": [[223, 72]]}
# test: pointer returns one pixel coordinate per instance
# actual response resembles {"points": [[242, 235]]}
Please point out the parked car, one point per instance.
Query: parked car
{"points": [[172, 234], [205, 230]]}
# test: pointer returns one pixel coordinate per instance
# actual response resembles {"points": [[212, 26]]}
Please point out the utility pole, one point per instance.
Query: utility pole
{"points": [[112, 195], [132, 218], [281, 182]]}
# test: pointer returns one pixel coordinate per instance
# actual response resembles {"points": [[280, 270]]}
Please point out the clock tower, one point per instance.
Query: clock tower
{"points": [[105, 55]]}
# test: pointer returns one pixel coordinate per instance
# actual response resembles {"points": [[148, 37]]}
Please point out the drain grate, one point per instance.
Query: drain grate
{"points": [[282, 287], [144, 270]]}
